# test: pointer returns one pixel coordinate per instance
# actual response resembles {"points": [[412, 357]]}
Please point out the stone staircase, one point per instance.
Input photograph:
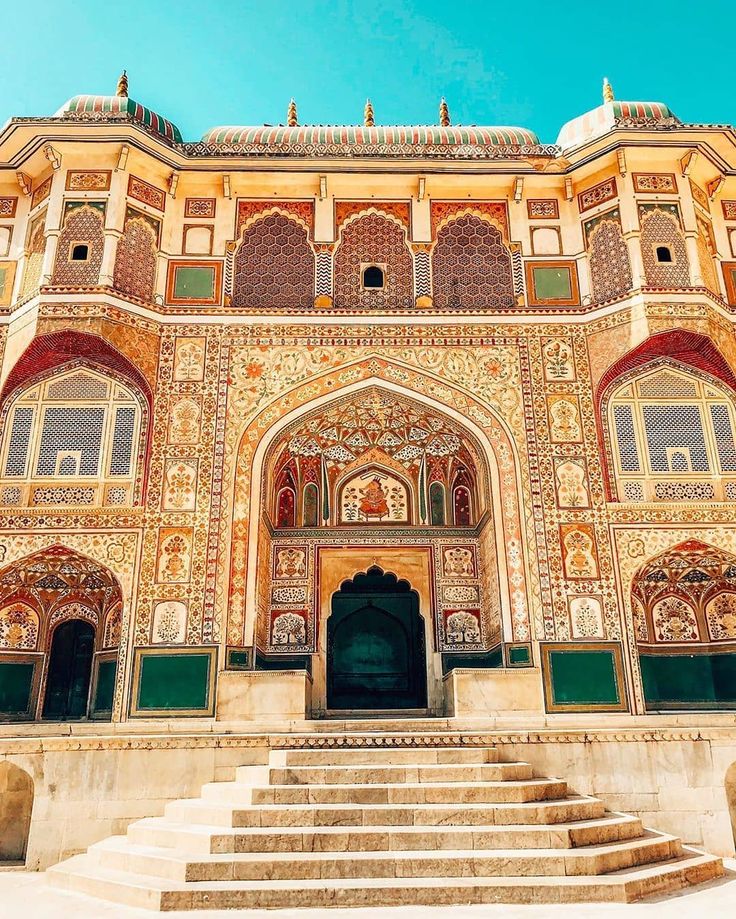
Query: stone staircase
{"points": [[375, 825]]}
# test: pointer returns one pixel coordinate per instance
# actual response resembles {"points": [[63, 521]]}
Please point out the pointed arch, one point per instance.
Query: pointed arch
{"points": [[471, 264], [274, 263], [478, 418], [684, 353], [376, 238]]}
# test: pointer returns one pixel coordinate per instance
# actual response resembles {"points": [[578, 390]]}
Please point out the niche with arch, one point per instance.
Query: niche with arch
{"points": [[16, 806]]}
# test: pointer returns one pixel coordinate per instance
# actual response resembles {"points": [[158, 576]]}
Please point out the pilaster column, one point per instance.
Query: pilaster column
{"points": [[49, 256]]}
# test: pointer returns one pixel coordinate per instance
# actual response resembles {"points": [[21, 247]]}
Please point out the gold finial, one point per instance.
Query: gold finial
{"points": [[444, 113], [122, 89], [368, 119], [607, 90], [291, 116]]}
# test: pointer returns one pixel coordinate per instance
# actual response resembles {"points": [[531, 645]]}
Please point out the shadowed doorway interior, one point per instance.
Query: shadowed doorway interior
{"points": [[376, 658], [70, 666]]}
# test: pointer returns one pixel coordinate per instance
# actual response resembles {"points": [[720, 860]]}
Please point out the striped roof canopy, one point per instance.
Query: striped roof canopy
{"points": [[89, 106], [610, 115], [355, 137]]}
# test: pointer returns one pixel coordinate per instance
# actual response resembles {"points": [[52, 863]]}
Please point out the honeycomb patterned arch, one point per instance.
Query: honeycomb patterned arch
{"points": [[608, 259], [471, 211], [267, 212], [489, 280], [400, 284], [259, 279]]}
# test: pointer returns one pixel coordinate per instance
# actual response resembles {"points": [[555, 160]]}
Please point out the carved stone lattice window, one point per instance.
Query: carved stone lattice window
{"points": [[610, 269], [274, 266], [135, 262], [673, 437], [471, 266], [69, 438]]}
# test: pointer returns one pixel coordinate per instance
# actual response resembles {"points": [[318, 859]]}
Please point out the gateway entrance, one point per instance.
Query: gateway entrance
{"points": [[376, 656]]}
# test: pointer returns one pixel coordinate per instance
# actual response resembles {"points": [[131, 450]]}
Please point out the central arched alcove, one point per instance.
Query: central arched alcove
{"points": [[375, 457], [376, 656]]}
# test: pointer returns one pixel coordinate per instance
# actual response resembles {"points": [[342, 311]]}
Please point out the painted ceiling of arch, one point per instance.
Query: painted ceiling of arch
{"points": [[376, 420], [53, 574]]}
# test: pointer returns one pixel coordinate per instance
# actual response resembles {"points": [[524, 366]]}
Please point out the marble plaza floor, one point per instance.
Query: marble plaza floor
{"points": [[25, 895]]}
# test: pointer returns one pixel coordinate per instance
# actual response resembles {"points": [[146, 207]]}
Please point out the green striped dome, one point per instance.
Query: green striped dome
{"points": [[118, 105]]}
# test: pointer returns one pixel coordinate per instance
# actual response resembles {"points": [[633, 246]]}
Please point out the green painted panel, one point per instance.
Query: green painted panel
{"points": [[105, 686], [584, 678], [16, 684], [195, 283], [552, 283], [174, 681], [519, 654], [689, 679]]}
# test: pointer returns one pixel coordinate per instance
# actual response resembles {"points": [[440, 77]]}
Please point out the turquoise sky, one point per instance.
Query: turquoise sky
{"points": [[215, 62]]}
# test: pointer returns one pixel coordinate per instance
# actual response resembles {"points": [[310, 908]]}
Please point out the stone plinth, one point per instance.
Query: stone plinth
{"points": [[263, 695], [475, 693]]}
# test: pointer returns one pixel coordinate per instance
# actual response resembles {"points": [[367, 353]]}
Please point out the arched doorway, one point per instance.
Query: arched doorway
{"points": [[376, 655], [70, 669], [16, 804]]}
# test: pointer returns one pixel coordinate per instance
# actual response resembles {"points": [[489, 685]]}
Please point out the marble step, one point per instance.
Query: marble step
{"points": [[203, 839], [393, 756], [82, 875], [119, 853], [199, 811], [390, 775], [490, 792]]}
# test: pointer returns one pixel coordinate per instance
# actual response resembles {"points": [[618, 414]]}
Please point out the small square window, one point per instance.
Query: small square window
{"points": [[373, 277], [79, 252]]}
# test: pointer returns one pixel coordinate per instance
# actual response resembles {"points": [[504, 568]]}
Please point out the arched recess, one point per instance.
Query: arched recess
{"points": [[679, 348], [16, 806], [341, 449], [274, 264], [62, 352], [493, 436], [60, 586], [730, 783], [373, 238], [471, 265], [684, 618]]}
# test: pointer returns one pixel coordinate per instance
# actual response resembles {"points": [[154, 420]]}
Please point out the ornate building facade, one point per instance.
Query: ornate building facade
{"points": [[352, 411]]}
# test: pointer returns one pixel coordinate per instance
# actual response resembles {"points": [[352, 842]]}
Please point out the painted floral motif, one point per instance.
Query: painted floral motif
{"points": [[185, 421], [579, 552], [564, 419], [675, 620], [181, 485], [587, 617], [558, 360], [174, 560], [189, 359], [18, 628], [721, 616], [571, 483], [169, 622]]}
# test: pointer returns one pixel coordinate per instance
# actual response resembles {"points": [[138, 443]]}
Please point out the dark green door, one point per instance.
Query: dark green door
{"points": [[70, 666], [375, 646]]}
